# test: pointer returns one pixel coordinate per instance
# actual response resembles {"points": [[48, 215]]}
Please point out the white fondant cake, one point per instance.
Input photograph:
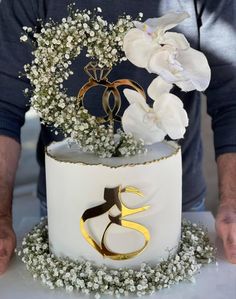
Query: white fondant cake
{"points": [[119, 235]]}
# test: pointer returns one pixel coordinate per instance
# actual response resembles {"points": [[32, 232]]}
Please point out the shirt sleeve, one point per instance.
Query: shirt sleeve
{"points": [[217, 32], [14, 14]]}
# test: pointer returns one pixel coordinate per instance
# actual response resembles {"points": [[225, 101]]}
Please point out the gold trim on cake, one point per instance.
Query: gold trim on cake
{"points": [[173, 144]]}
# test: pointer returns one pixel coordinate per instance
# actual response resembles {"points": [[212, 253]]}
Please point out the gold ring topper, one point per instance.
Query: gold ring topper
{"points": [[99, 77]]}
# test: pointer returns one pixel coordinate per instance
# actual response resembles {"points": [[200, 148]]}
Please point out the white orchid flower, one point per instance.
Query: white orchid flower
{"points": [[157, 27], [168, 108], [141, 42], [140, 120], [167, 54], [167, 117], [139, 47], [188, 69]]}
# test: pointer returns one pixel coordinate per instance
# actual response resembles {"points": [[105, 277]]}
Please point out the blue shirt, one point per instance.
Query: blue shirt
{"points": [[210, 29]]}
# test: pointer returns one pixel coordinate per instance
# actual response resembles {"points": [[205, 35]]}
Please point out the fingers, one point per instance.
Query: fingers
{"points": [[4, 257], [226, 229], [7, 246], [229, 241]]}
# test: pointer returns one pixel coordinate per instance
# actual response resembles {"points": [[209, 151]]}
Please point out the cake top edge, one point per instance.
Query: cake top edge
{"points": [[65, 153]]}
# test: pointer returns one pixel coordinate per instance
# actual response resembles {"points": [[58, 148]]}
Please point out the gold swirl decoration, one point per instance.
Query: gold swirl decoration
{"points": [[99, 77], [113, 198]]}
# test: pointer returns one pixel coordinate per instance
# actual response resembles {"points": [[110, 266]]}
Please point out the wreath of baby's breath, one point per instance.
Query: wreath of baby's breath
{"points": [[57, 45], [194, 251]]}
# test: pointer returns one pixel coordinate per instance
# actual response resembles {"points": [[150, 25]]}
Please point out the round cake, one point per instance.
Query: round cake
{"points": [[114, 211], [114, 196]]}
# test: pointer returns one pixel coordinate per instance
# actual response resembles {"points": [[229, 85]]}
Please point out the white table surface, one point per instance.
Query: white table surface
{"points": [[213, 282]]}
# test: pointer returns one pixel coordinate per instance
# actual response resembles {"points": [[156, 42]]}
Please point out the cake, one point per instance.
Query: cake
{"points": [[114, 197], [79, 182]]}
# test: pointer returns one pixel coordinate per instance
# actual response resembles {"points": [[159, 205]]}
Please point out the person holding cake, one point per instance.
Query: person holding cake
{"points": [[203, 30]]}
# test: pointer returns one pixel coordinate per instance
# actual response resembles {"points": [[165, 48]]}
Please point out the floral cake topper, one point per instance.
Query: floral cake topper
{"points": [[169, 55], [147, 45]]}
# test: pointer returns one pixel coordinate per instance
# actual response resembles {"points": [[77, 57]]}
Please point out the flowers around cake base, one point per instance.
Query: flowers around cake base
{"points": [[194, 251]]}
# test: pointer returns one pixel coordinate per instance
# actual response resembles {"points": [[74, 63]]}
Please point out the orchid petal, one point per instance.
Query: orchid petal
{"points": [[188, 69], [139, 25], [144, 27], [158, 87], [148, 26], [176, 40], [138, 47], [135, 120], [159, 64], [186, 85], [165, 102], [172, 117], [196, 70], [168, 21], [136, 98]]}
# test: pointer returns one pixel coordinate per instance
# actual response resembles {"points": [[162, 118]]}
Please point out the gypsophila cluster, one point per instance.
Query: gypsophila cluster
{"points": [[57, 45], [194, 251], [127, 145]]}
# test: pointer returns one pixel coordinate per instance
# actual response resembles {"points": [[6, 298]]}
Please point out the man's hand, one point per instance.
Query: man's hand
{"points": [[9, 156], [7, 243], [226, 216], [226, 229]]}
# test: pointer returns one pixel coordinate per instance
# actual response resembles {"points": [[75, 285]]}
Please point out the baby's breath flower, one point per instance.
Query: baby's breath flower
{"points": [[84, 276], [24, 38], [57, 46]]}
